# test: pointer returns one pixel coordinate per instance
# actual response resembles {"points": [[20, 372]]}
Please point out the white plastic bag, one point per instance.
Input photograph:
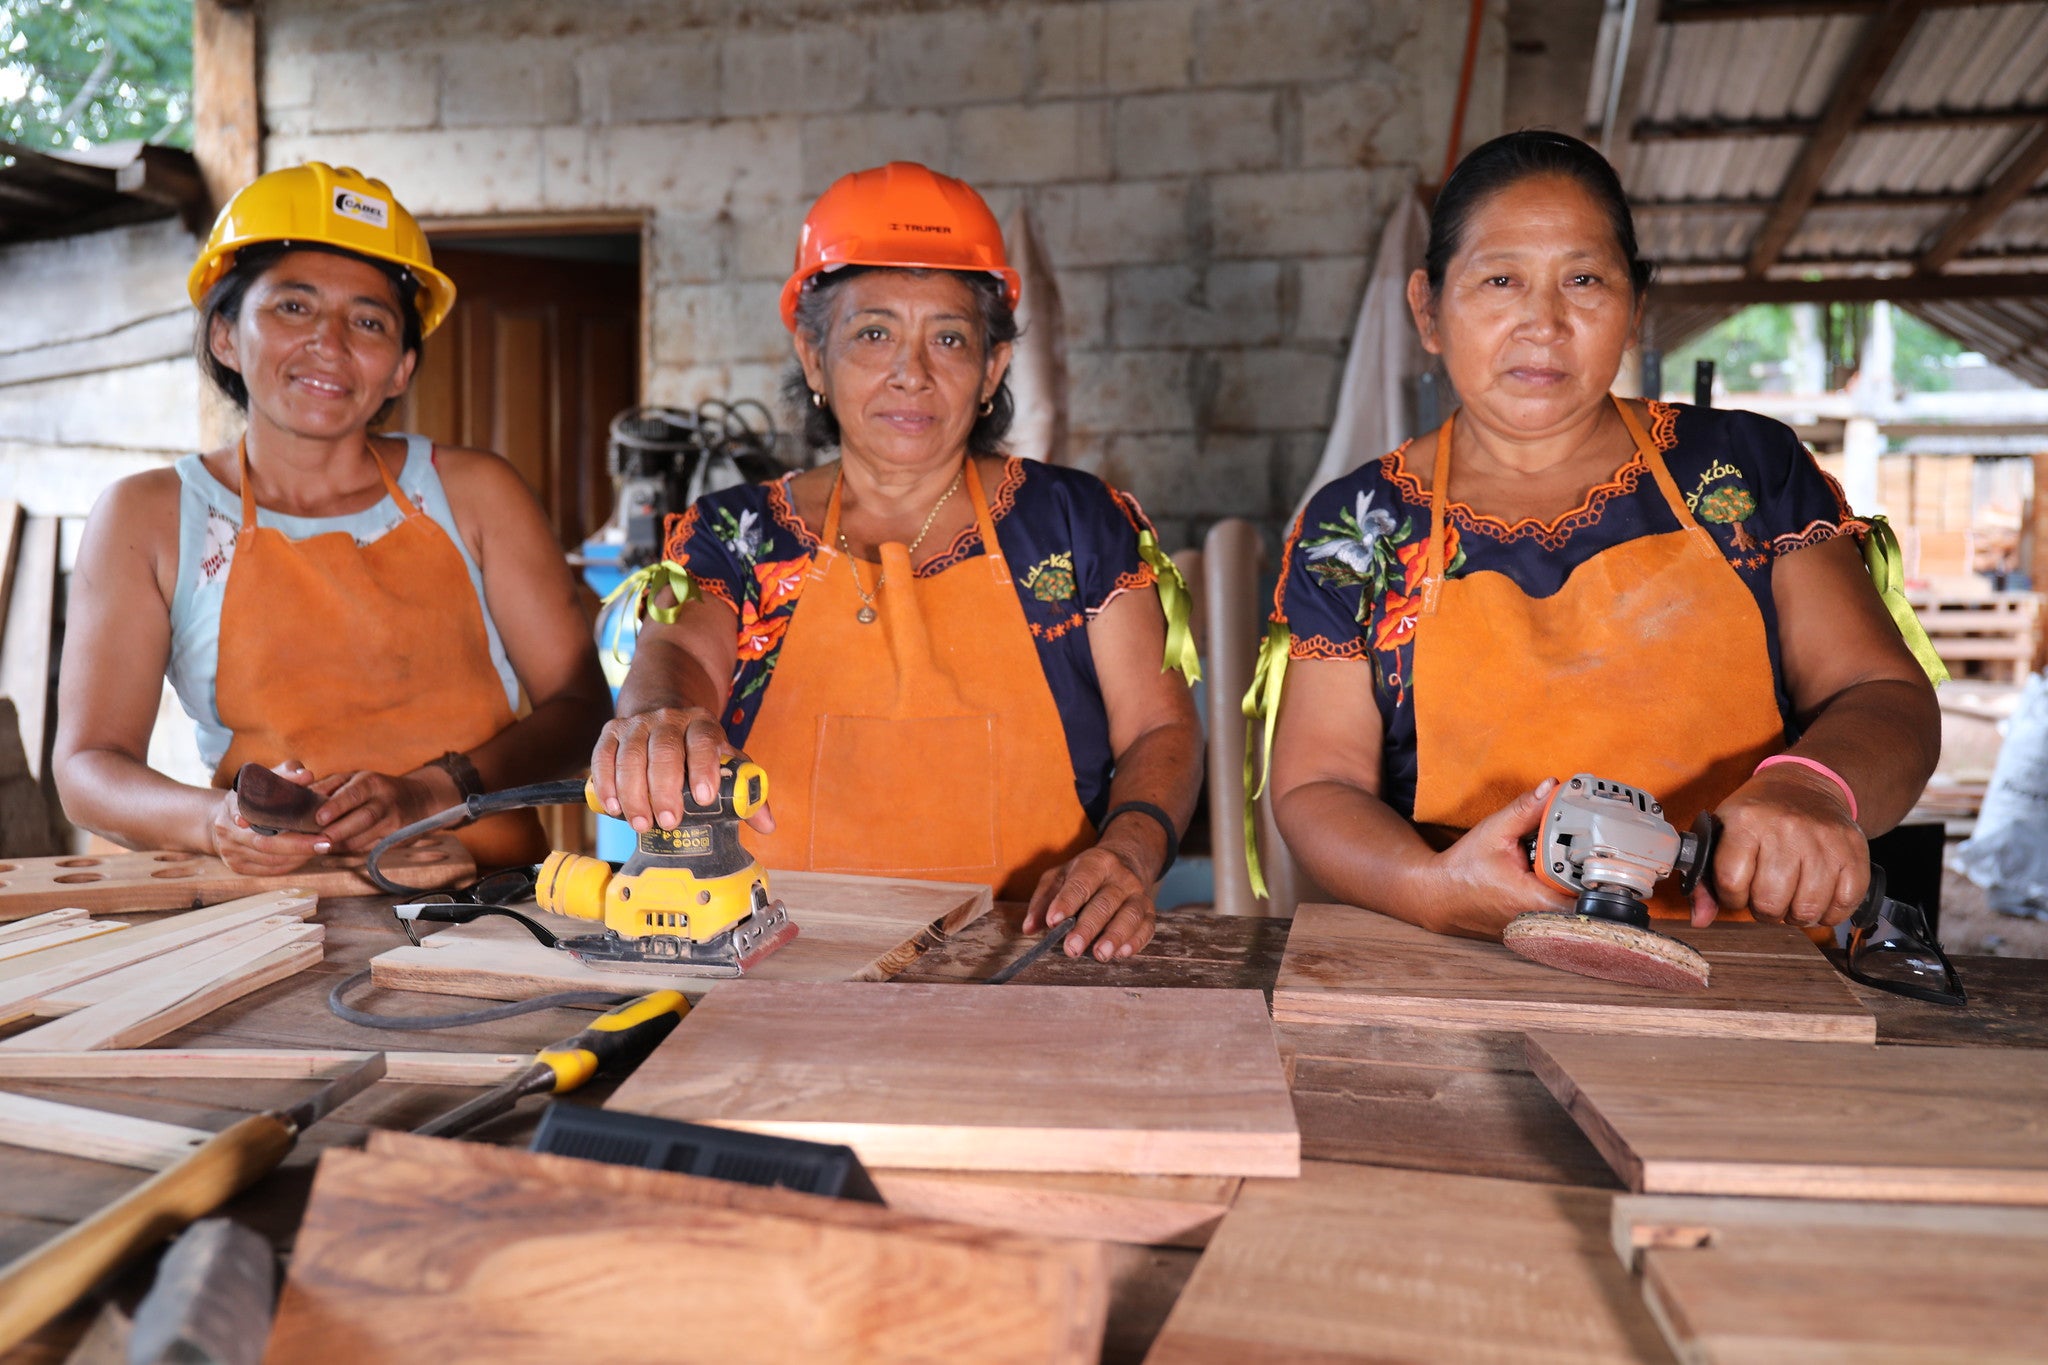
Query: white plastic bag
{"points": [[2008, 855]]}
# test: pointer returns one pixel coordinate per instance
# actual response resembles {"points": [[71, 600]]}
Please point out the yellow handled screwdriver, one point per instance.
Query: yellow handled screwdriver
{"points": [[624, 1034]]}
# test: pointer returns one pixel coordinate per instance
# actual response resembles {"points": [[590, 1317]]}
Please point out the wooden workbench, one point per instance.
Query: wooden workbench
{"points": [[1462, 1104]]}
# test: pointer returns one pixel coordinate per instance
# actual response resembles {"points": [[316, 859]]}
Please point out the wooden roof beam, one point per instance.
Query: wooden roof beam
{"points": [[2013, 183], [1882, 39], [1943, 199], [1694, 12], [1918, 121], [1859, 289]]}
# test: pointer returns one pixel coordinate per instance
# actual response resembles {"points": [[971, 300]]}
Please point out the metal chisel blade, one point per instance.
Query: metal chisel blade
{"points": [[334, 1094]]}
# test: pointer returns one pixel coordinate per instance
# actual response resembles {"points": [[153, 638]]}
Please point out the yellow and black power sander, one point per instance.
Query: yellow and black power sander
{"points": [[691, 901]]}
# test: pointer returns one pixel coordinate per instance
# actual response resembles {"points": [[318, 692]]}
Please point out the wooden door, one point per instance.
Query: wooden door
{"points": [[538, 357]]}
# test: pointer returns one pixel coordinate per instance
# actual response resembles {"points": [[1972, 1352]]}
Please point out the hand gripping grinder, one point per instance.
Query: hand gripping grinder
{"points": [[1609, 844]]}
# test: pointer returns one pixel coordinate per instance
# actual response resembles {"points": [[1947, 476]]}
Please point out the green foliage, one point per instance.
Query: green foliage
{"points": [[1748, 350], [1923, 356], [75, 73], [1752, 350]]}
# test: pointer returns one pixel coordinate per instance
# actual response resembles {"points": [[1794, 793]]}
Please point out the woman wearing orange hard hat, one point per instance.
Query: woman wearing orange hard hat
{"points": [[949, 661], [355, 610]]}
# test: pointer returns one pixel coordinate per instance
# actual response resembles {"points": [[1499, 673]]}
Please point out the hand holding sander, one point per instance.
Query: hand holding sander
{"points": [[1609, 843], [691, 901]]}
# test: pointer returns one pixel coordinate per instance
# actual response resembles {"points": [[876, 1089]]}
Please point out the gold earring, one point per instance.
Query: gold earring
{"points": [[988, 405], [817, 400]]}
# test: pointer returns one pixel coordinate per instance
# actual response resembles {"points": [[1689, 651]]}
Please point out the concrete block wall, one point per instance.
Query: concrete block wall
{"points": [[97, 379], [1209, 176]]}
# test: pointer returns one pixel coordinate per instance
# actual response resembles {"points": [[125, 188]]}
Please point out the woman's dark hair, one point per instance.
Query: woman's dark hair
{"points": [[224, 300], [814, 315], [1510, 159]]}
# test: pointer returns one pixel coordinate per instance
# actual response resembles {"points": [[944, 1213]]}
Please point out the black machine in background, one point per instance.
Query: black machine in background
{"points": [[663, 459]]}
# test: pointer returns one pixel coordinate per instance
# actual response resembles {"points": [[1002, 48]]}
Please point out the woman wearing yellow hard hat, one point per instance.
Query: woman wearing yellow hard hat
{"points": [[357, 611], [949, 662]]}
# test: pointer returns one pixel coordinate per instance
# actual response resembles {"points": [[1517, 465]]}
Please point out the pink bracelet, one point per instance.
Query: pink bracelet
{"points": [[1823, 769]]}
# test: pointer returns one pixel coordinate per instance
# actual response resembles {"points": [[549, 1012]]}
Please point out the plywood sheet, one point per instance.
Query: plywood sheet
{"points": [[424, 1251], [1710, 1116], [1742, 1280], [1350, 966], [140, 882], [849, 929], [1114, 1080], [1360, 1264]]}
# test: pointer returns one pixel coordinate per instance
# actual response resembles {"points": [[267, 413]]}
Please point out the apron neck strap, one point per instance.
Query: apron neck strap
{"points": [[828, 539], [1439, 497], [999, 568], [405, 504], [1654, 458]]}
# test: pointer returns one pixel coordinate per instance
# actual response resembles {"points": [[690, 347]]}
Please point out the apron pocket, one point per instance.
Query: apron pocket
{"points": [[939, 816]]}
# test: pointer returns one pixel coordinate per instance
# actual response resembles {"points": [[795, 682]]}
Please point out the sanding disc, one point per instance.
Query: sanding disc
{"points": [[1609, 951]]}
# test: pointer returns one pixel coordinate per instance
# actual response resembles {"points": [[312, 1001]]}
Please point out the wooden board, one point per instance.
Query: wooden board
{"points": [[848, 929], [425, 1251], [26, 982], [95, 1134], [1809, 1121], [138, 882], [180, 996], [163, 1064], [1111, 1080], [1147, 1210], [1740, 1280], [1359, 1264], [1430, 1099], [1350, 966]]}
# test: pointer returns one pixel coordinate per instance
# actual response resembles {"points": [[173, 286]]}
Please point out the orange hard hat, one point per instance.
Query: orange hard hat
{"points": [[901, 214]]}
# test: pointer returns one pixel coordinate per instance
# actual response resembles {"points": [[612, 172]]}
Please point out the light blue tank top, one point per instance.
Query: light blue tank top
{"points": [[209, 518]]}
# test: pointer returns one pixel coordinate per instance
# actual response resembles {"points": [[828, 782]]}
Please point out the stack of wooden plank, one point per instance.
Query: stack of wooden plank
{"points": [[123, 988], [1989, 635]]}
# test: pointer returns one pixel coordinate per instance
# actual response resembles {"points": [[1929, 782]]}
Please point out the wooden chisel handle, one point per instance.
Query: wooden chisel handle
{"points": [[43, 1283]]}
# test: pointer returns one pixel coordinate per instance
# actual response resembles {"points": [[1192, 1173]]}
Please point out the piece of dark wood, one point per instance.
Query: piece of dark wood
{"points": [[1856, 289], [1882, 38], [272, 803], [2008, 1007], [1190, 948]]}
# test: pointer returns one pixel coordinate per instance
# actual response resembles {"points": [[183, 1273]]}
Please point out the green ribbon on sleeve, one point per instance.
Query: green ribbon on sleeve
{"points": [[1262, 707], [1175, 600], [1886, 563], [642, 586]]}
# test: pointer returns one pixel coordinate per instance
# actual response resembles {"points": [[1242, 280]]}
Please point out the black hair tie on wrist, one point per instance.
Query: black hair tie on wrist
{"points": [[1157, 816]]}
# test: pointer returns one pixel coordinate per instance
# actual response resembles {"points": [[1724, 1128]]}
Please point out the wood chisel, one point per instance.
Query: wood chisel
{"points": [[43, 1283], [619, 1037]]}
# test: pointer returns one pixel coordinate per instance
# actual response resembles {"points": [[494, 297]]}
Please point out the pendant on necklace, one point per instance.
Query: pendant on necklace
{"points": [[866, 616]]}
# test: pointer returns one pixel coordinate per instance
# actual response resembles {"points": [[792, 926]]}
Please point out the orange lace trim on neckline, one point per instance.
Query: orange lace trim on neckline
{"points": [[1553, 534]]}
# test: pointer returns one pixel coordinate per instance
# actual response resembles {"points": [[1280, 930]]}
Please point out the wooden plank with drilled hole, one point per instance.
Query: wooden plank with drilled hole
{"points": [[139, 882]]}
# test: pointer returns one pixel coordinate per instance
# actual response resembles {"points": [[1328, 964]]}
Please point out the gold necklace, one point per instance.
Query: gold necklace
{"points": [[866, 614]]}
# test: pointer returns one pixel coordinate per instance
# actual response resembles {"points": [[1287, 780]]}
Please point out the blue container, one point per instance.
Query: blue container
{"points": [[615, 839]]}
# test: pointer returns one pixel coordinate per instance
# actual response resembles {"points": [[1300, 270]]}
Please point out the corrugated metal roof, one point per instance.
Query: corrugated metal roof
{"points": [[2011, 333], [1710, 156]]}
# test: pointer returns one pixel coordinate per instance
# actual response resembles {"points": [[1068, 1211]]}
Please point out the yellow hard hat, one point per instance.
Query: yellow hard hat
{"points": [[335, 206]]}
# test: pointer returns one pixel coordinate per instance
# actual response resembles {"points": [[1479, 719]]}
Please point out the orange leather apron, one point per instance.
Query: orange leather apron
{"points": [[925, 744], [355, 657], [1650, 666]]}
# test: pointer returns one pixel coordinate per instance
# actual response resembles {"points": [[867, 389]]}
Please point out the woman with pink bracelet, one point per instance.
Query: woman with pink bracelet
{"points": [[1559, 581]]}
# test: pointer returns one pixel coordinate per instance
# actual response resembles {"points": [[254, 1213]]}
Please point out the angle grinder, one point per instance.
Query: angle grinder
{"points": [[1609, 844]]}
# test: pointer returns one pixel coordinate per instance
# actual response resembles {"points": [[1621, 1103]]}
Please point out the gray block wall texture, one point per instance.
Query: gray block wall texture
{"points": [[1209, 176]]}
